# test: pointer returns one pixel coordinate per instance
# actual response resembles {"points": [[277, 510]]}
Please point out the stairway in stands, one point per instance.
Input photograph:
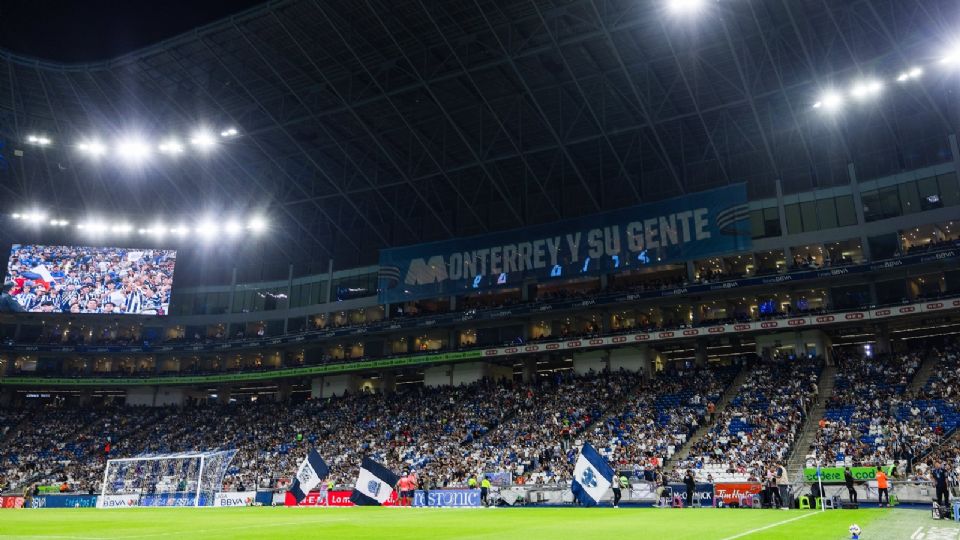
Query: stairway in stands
{"points": [[731, 392], [801, 447], [923, 374]]}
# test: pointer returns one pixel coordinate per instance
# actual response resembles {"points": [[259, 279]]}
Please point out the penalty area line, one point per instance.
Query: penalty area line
{"points": [[772, 525]]}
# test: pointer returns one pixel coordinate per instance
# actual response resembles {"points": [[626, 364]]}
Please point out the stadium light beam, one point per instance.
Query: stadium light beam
{"points": [[685, 7], [233, 228], [866, 89], [39, 140], [952, 57], [830, 101], [257, 224], [207, 229], [133, 150], [171, 147], [92, 148], [121, 228], [203, 140]]}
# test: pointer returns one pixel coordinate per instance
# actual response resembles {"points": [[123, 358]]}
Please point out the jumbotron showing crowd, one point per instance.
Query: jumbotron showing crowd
{"points": [[744, 418], [72, 279]]}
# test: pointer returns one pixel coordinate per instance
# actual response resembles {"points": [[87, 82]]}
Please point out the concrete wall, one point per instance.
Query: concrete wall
{"points": [[438, 376], [464, 374], [153, 396], [468, 373], [803, 342], [590, 361], [334, 385], [633, 359]]}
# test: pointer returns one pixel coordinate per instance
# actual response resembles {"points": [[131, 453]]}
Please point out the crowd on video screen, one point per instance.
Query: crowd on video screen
{"points": [[75, 279]]}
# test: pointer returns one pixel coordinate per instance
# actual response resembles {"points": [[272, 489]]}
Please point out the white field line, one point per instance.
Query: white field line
{"points": [[772, 525]]}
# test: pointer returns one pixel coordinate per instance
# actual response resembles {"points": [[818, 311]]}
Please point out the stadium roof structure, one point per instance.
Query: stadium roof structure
{"points": [[372, 123]]}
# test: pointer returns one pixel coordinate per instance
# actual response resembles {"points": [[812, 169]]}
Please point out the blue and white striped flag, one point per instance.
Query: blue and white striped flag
{"points": [[374, 484], [311, 472], [592, 476]]}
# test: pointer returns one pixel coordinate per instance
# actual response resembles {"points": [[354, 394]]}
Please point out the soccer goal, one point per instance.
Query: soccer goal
{"points": [[184, 479]]}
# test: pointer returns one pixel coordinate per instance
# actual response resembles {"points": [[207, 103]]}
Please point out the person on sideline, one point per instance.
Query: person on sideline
{"points": [[848, 480], [883, 488]]}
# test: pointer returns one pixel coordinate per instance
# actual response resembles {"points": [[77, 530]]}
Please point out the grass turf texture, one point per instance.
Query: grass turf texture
{"points": [[399, 523]]}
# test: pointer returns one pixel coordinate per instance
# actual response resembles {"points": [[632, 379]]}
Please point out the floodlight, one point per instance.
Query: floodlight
{"points": [[203, 140], [93, 148], [158, 229], [15, 215], [229, 132], [133, 149], [952, 56], [257, 224], [207, 229], [233, 228], [915, 72], [171, 146], [39, 140], [121, 228], [685, 6], [865, 89], [35, 216], [830, 101]]}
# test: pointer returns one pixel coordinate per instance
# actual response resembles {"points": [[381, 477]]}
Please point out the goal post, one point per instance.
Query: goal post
{"points": [[181, 479]]}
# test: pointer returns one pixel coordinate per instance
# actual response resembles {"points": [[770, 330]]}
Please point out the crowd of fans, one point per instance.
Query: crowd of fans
{"points": [[71, 279], [445, 433], [658, 418], [873, 420], [529, 431], [860, 425], [761, 424]]}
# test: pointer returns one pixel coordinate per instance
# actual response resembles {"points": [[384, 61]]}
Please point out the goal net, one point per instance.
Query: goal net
{"points": [[184, 479]]}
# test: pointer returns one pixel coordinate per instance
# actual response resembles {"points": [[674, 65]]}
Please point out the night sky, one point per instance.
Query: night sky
{"points": [[91, 30]]}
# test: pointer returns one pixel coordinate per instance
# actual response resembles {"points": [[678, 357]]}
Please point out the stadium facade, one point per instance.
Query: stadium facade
{"points": [[847, 266]]}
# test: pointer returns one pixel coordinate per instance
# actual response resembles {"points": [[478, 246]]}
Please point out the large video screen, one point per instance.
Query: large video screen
{"points": [[79, 279]]}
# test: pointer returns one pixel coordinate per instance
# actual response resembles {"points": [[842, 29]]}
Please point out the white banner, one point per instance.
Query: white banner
{"points": [[118, 501], [237, 498]]}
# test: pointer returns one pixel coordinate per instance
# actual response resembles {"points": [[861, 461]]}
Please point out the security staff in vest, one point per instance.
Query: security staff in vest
{"points": [[938, 475], [472, 482], [619, 483], [848, 480], [484, 490]]}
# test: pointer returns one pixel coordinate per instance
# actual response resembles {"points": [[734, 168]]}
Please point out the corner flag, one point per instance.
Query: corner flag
{"points": [[311, 472], [374, 484], [592, 476]]}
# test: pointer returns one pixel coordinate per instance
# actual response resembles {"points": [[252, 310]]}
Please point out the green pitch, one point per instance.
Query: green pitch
{"points": [[499, 523]]}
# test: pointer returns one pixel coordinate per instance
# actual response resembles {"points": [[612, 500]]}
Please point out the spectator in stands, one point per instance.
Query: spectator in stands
{"points": [[9, 304]]}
